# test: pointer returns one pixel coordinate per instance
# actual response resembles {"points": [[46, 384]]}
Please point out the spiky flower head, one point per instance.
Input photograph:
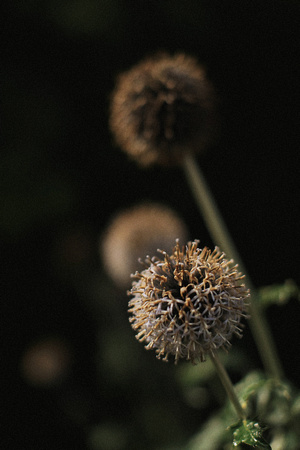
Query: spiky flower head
{"points": [[187, 304], [162, 108]]}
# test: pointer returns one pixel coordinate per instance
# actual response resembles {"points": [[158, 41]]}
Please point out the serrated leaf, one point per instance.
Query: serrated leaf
{"points": [[250, 433]]}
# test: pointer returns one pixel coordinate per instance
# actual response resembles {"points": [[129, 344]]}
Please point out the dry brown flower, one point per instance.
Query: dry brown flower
{"points": [[162, 108], [187, 304], [139, 230]]}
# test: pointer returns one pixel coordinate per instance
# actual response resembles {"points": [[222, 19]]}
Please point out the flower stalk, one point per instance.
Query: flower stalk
{"points": [[218, 230], [227, 384]]}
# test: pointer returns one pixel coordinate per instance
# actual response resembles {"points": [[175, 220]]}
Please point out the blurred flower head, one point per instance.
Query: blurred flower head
{"points": [[137, 231], [187, 304], [162, 108], [46, 362]]}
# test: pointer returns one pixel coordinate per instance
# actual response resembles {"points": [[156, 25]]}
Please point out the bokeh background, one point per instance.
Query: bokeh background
{"points": [[72, 374]]}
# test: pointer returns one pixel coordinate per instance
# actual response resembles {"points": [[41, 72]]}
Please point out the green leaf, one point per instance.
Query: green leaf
{"points": [[278, 294], [250, 433], [267, 399]]}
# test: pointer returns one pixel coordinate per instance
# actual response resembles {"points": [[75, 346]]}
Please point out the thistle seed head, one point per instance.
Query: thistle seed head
{"points": [[187, 304], [163, 108], [136, 231]]}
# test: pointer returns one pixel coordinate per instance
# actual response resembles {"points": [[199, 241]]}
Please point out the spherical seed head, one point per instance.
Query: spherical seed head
{"points": [[162, 108], [136, 231], [187, 304]]}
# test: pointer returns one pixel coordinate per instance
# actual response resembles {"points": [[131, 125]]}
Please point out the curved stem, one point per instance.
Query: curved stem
{"points": [[219, 233], [228, 385]]}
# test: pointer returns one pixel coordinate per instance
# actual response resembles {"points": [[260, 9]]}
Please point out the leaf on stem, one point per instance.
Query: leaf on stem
{"points": [[278, 294], [249, 432]]}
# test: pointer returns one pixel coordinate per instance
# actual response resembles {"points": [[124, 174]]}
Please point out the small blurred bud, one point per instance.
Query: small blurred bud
{"points": [[46, 362]]}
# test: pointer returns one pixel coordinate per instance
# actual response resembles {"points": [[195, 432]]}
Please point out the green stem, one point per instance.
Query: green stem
{"points": [[218, 230], [228, 385]]}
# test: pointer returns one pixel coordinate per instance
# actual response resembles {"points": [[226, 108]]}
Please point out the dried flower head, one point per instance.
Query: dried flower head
{"points": [[135, 231], [162, 108], [187, 304]]}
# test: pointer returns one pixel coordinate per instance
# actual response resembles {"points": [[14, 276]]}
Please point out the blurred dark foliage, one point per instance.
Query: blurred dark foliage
{"points": [[62, 178]]}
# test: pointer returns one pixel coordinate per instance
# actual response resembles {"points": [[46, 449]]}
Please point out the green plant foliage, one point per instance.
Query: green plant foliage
{"points": [[279, 294], [269, 400], [250, 433], [273, 409]]}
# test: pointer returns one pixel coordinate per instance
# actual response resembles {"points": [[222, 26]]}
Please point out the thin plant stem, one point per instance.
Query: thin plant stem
{"points": [[223, 375], [218, 230]]}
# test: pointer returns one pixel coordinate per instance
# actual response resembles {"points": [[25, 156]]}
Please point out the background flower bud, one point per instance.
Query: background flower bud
{"points": [[137, 231]]}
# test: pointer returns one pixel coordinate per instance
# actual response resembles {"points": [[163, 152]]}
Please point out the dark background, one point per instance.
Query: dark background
{"points": [[62, 179]]}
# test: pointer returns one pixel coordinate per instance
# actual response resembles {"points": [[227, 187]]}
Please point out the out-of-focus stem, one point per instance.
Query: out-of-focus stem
{"points": [[220, 235]]}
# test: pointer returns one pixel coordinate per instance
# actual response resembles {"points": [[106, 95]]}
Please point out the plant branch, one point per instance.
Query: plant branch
{"points": [[219, 233], [223, 375]]}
